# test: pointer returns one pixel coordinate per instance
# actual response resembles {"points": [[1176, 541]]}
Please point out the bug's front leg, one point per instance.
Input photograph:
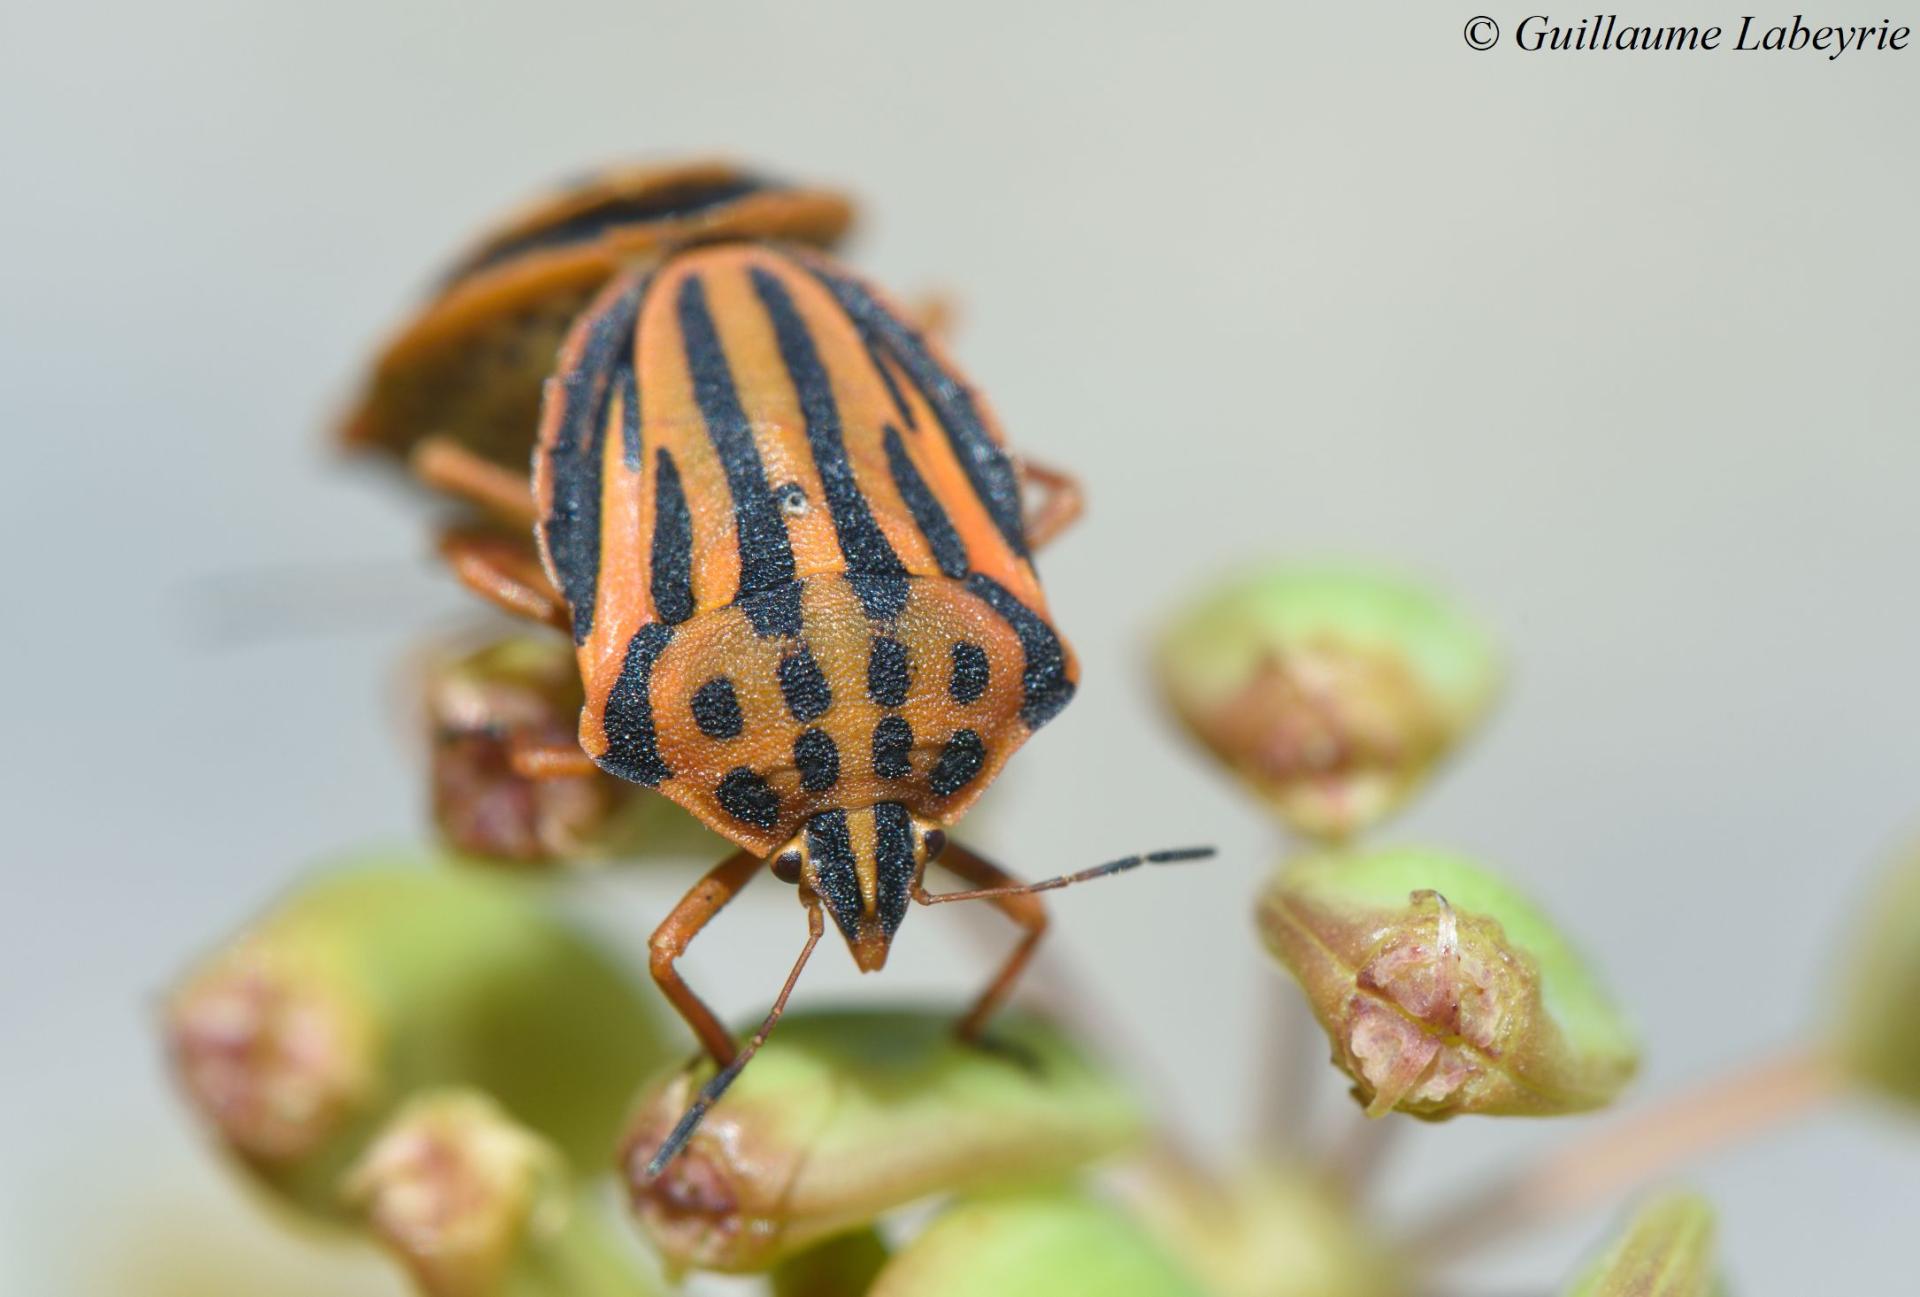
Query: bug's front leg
{"points": [[1060, 506], [670, 940], [504, 570], [1006, 894]]}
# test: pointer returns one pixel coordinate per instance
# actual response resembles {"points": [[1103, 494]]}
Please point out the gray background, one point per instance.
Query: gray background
{"points": [[1620, 348]]}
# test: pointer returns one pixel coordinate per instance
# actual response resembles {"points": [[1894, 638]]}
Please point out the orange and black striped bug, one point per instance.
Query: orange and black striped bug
{"points": [[792, 550]]}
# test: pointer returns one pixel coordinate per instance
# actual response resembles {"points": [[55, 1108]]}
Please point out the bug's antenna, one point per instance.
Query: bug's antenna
{"points": [[1171, 856], [710, 1092]]}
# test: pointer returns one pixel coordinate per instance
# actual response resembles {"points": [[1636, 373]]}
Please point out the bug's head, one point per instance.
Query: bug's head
{"points": [[862, 864]]}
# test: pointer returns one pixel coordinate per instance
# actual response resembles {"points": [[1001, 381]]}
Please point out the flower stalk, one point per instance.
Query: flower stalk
{"points": [[1666, 1251], [1633, 1150]]}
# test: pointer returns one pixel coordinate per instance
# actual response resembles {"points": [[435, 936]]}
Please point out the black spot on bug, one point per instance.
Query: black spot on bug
{"points": [[817, 758], [971, 673], [633, 750], [892, 748], [893, 864], [887, 674], [746, 796], [1043, 681], [804, 686], [835, 873], [959, 762], [716, 709]]}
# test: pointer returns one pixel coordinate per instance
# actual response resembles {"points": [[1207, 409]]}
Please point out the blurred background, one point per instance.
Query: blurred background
{"points": [[1619, 348]]}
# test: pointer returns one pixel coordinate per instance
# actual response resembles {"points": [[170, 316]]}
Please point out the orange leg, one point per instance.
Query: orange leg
{"points": [[715, 1087], [934, 313], [1013, 899], [445, 465], [505, 571], [1017, 901], [670, 940], [1058, 509], [532, 759]]}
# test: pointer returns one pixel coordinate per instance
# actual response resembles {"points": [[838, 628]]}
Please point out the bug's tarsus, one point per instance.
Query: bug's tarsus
{"points": [[716, 1086]]}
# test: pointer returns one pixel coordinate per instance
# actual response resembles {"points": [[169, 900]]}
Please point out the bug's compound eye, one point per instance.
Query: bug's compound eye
{"points": [[786, 866], [793, 499], [933, 842]]}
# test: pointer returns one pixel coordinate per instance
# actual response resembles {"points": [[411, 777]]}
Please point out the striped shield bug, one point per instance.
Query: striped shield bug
{"points": [[795, 558]]}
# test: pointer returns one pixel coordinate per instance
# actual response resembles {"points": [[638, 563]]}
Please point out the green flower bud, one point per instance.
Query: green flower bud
{"points": [[1878, 1043], [1332, 693], [296, 1040], [1034, 1244], [1442, 989], [479, 704], [1270, 1232], [844, 1116], [1667, 1251], [473, 1205]]}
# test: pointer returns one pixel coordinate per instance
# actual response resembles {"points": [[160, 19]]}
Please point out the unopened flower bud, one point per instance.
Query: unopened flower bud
{"points": [[1332, 693], [524, 690], [1035, 1244], [296, 1040], [1442, 989], [474, 1205], [1271, 1231], [844, 1116], [1667, 1251], [1879, 1044]]}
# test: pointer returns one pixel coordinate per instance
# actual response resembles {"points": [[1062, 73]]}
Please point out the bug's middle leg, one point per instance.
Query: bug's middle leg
{"points": [[504, 570], [670, 940], [1013, 899]]}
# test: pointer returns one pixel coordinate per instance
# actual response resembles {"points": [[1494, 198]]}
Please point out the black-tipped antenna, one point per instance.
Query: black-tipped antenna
{"points": [[1171, 856], [716, 1086]]}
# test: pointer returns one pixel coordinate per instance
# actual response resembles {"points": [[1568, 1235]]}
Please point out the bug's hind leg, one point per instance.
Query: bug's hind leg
{"points": [[504, 570], [1059, 508], [670, 940], [1013, 899], [445, 465]]}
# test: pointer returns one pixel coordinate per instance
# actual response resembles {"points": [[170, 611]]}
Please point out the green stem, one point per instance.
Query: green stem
{"points": [[584, 1258], [1754, 1098]]}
